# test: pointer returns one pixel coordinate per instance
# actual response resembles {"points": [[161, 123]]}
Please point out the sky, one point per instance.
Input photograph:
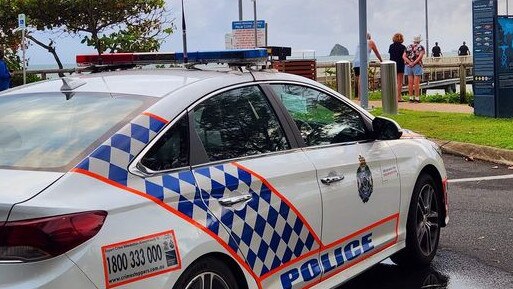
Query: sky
{"points": [[303, 25]]}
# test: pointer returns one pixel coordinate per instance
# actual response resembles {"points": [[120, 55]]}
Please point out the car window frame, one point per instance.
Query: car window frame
{"points": [[202, 160], [197, 154], [137, 168], [365, 119]]}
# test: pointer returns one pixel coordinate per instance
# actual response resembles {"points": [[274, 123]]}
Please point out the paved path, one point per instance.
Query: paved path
{"points": [[440, 107]]}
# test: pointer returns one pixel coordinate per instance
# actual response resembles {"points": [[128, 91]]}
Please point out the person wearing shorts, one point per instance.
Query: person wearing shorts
{"points": [[413, 69]]}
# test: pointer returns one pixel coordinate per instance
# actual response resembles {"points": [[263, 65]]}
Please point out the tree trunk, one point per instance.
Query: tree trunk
{"points": [[50, 49]]}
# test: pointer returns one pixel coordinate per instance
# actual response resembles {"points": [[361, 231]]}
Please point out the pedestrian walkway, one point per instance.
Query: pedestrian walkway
{"points": [[427, 106]]}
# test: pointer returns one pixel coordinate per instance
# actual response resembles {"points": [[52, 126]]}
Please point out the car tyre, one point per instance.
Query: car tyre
{"points": [[423, 225], [206, 273]]}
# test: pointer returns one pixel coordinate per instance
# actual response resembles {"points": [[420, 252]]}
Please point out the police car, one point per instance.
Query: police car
{"points": [[190, 178]]}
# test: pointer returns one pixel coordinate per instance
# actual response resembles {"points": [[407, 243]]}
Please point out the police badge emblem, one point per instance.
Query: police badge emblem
{"points": [[364, 180]]}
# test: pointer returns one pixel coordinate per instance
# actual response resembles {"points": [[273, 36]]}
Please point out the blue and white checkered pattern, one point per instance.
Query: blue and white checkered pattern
{"points": [[266, 232]]}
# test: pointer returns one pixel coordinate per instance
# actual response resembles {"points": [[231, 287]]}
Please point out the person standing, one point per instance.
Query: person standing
{"points": [[5, 75], [463, 51], [371, 46], [396, 51], [413, 59], [436, 51]]}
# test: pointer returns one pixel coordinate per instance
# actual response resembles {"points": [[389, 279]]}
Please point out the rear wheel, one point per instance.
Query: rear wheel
{"points": [[423, 225], [207, 273]]}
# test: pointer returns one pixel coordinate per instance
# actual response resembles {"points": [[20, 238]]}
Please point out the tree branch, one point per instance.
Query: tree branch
{"points": [[50, 49]]}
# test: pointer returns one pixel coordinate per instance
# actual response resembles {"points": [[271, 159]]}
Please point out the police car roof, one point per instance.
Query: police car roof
{"points": [[157, 82]]}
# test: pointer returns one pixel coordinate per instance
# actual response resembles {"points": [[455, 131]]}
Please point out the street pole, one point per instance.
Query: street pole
{"points": [[364, 77], [184, 36], [507, 7], [427, 29], [23, 48], [240, 10], [255, 14]]}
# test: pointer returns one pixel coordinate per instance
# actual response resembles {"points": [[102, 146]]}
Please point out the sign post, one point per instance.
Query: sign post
{"points": [[364, 61], [22, 24]]}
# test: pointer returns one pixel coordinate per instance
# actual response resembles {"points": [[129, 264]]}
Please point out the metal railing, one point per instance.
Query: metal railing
{"points": [[43, 73], [434, 69]]}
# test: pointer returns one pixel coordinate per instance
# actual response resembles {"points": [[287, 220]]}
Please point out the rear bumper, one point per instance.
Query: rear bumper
{"points": [[55, 273]]}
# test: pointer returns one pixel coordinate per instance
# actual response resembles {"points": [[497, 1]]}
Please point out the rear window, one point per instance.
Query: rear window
{"points": [[52, 131]]}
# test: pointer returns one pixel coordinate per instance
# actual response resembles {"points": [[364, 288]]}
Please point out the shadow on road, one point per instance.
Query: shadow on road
{"points": [[388, 276]]}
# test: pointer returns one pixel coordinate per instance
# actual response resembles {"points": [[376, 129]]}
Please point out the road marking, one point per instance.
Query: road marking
{"points": [[491, 178]]}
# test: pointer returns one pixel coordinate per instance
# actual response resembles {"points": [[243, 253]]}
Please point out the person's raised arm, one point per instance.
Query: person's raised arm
{"points": [[374, 48]]}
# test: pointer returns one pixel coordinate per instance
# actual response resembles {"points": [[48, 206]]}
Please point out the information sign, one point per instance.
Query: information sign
{"points": [[504, 71], [484, 13], [22, 24], [243, 33]]}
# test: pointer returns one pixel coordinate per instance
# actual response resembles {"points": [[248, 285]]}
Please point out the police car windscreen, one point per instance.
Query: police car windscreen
{"points": [[52, 131]]}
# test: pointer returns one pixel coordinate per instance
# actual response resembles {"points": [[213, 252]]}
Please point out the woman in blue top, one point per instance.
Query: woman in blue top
{"points": [[5, 75]]}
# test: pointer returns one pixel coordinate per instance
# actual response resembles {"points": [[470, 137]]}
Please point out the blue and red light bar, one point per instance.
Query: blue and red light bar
{"points": [[233, 57]]}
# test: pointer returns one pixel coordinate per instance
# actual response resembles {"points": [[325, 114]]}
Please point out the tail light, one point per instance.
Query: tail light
{"points": [[39, 239]]}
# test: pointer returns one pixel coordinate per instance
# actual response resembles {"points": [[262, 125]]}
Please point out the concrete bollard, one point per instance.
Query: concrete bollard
{"points": [[344, 78], [388, 72]]}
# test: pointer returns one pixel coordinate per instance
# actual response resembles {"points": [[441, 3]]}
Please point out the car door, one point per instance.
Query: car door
{"points": [[357, 175], [258, 184]]}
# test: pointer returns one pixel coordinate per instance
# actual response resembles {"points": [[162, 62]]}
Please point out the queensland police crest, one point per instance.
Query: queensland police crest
{"points": [[364, 180]]}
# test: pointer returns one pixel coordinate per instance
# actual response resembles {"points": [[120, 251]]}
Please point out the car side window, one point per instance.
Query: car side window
{"points": [[171, 151], [321, 118], [238, 123]]}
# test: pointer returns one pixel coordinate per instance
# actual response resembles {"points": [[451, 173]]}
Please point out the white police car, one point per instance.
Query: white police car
{"points": [[182, 178]]}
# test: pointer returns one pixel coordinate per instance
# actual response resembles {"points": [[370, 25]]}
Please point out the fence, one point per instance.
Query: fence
{"points": [[434, 69]]}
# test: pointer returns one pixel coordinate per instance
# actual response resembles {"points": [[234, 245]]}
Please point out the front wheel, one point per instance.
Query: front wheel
{"points": [[423, 225], [207, 273]]}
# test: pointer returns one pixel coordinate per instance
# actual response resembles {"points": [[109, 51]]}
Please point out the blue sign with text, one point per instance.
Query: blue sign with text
{"points": [[484, 13], [248, 24]]}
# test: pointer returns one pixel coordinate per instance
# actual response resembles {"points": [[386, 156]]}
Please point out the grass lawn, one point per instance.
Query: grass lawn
{"points": [[457, 127]]}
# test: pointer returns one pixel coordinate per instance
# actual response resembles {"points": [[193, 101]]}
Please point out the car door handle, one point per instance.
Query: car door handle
{"points": [[230, 201], [331, 179]]}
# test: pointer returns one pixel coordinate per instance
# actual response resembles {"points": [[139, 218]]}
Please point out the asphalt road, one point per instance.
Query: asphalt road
{"points": [[476, 249]]}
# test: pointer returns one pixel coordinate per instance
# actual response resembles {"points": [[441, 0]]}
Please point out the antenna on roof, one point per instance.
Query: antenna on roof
{"points": [[184, 36]]}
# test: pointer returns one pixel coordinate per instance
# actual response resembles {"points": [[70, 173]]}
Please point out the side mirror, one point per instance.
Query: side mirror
{"points": [[386, 129]]}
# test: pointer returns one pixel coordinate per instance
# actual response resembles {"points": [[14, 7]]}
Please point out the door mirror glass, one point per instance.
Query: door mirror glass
{"points": [[386, 129]]}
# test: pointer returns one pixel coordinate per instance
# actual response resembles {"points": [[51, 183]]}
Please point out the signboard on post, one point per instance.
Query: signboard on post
{"points": [[484, 13], [493, 58], [504, 67], [244, 34], [22, 24]]}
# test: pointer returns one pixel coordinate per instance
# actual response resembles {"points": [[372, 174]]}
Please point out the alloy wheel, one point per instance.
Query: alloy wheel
{"points": [[207, 280], [428, 227]]}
